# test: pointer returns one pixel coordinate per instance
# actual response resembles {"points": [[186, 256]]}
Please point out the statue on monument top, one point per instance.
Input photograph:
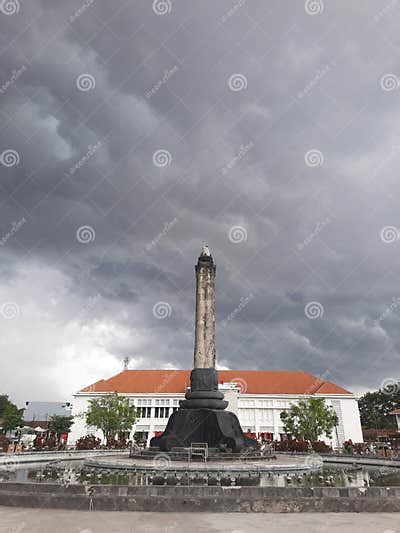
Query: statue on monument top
{"points": [[205, 250]]}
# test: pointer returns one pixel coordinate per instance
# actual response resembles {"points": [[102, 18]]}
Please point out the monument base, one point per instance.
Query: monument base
{"points": [[204, 393], [213, 426]]}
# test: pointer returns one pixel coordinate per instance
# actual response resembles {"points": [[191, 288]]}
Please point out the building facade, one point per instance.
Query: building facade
{"points": [[257, 397], [396, 412]]}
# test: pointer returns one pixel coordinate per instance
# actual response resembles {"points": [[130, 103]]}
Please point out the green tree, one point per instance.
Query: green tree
{"points": [[4, 401], [375, 408], [12, 417], [112, 414], [61, 424], [309, 419]]}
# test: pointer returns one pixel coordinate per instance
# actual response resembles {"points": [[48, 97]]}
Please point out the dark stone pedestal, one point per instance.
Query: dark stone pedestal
{"points": [[213, 426], [201, 418], [204, 393]]}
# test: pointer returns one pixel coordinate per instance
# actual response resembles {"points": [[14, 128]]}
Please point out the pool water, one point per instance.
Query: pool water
{"points": [[68, 473]]}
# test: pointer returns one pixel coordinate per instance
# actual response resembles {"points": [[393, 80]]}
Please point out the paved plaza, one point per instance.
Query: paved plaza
{"points": [[17, 520], [282, 462]]}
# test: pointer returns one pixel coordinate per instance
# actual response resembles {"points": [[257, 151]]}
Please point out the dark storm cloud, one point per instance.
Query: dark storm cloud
{"points": [[110, 233]]}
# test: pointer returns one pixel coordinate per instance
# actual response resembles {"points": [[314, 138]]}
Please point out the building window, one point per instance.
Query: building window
{"points": [[161, 412], [141, 436], [144, 412]]}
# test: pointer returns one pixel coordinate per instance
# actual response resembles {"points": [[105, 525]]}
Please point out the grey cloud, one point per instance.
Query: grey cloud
{"points": [[312, 233]]}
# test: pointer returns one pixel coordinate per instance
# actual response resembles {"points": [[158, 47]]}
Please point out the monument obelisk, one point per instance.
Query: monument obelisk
{"points": [[204, 335], [204, 376], [201, 416]]}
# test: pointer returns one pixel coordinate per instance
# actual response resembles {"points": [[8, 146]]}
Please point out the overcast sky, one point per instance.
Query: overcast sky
{"points": [[131, 132]]}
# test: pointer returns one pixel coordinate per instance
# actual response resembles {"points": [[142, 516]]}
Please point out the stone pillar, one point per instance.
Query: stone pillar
{"points": [[201, 416], [204, 391], [204, 337]]}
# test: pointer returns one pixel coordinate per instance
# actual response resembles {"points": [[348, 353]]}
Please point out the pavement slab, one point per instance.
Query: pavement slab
{"points": [[18, 520]]}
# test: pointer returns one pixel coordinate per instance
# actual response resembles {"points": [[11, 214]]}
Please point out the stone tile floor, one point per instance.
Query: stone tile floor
{"points": [[281, 463], [17, 520]]}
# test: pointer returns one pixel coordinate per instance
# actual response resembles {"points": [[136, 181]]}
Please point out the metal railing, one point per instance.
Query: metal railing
{"points": [[198, 448]]}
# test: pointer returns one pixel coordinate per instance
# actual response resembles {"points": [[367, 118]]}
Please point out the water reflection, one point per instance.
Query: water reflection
{"points": [[70, 473]]}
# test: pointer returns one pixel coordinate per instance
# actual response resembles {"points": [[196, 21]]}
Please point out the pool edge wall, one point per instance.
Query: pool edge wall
{"points": [[200, 498]]}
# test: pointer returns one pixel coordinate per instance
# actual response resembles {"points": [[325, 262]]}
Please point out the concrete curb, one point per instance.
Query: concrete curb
{"points": [[202, 467], [348, 459], [201, 499], [45, 457]]}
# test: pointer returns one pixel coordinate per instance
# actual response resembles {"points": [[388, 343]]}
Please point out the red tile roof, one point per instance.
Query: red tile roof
{"points": [[249, 381]]}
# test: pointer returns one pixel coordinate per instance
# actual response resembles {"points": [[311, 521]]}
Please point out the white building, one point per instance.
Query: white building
{"points": [[257, 397], [396, 412]]}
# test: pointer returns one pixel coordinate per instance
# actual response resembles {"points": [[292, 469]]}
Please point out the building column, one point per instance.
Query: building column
{"points": [[256, 417]]}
